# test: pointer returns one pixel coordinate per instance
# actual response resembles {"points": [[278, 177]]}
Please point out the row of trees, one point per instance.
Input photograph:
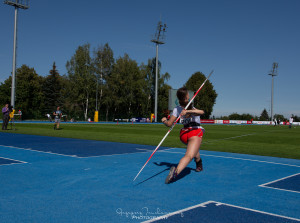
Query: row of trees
{"points": [[95, 80], [264, 116]]}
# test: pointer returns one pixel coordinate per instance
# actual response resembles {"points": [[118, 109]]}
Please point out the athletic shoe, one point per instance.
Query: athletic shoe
{"points": [[171, 176], [199, 166]]}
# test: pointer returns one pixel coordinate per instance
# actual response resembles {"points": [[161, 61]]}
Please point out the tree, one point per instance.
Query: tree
{"points": [[296, 118], [247, 117], [264, 116], [81, 81], [149, 71], [5, 91], [163, 95], [52, 89], [103, 64], [126, 84], [29, 94], [279, 117], [234, 116], [206, 98]]}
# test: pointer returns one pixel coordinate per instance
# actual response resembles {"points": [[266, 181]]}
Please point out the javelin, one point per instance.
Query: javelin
{"points": [[174, 123]]}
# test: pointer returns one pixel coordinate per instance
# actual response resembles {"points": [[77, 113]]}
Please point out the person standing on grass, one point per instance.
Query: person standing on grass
{"points": [[5, 117], [291, 122], [20, 114], [49, 117], [191, 134], [12, 115], [57, 114]]}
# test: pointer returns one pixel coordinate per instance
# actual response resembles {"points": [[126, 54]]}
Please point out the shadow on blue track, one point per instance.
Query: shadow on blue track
{"points": [[186, 171]]}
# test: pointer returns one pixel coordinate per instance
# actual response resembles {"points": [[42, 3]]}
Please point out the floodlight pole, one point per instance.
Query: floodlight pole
{"points": [[23, 5], [156, 84], [158, 40], [97, 93], [13, 78], [274, 73]]}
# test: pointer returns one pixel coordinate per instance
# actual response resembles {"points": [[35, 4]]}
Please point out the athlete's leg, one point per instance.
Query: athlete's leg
{"points": [[191, 152]]}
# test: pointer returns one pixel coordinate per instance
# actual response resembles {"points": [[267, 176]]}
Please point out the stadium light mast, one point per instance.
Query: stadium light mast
{"points": [[22, 4], [158, 39], [273, 74]]}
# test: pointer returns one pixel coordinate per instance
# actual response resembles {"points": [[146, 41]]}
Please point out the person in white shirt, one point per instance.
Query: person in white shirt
{"points": [[57, 115], [291, 122]]}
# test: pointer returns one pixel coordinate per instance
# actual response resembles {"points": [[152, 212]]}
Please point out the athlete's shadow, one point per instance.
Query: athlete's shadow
{"points": [[186, 171], [183, 173]]}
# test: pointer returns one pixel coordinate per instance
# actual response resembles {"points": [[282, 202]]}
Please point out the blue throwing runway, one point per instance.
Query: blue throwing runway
{"points": [[48, 179]]}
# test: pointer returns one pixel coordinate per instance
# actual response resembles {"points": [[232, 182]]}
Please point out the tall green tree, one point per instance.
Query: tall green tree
{"points": [[247, 117], [206, 98], [29, 93], [163, 89], [52, 89], [264, 116], [81, 78], [103, 64], [296, 118], [127, 85], [163, 95], [5, 91], [279, 117]]}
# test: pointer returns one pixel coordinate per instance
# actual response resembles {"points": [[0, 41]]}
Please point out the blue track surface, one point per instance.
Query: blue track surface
{"points": [[60, 181], [70, 147]]}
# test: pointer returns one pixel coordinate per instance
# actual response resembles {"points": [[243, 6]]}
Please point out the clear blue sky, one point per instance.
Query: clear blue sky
{"points": [[239, 39]]}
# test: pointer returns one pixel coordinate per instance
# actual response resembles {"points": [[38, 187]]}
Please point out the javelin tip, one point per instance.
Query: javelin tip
{"points": [[210, 74]]}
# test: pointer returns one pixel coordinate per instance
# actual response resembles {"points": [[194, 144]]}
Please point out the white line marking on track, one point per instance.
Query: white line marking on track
{"points": [[280, 179], [233, 137], [20, 162], [217, 204], [229, 157], [274, 181], [179, 212], [274, 188], [252, 160], [29, 149]]}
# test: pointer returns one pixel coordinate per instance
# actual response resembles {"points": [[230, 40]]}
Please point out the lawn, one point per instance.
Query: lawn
{"points": [[247, 139]]}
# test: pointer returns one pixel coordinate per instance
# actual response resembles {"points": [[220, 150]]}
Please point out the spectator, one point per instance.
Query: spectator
{"points": [[291, 122], [20, 113], [5, 116], [49, 117]]}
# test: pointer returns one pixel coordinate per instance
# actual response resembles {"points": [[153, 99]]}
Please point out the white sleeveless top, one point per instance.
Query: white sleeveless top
{"points": [[183, 120]]}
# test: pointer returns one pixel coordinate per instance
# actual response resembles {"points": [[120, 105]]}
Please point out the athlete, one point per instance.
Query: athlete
{"points": [[191, 134], [57, 115]]}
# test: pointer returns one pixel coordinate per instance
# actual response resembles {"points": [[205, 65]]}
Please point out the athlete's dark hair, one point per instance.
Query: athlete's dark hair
{"points": [[181, 95]]}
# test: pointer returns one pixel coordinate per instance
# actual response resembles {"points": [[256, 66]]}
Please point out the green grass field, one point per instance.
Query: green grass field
{"points": [[247, 139]]}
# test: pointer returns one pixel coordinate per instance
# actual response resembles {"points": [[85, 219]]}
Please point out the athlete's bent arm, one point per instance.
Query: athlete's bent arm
{"points": [[169, 122], [195, 112]]}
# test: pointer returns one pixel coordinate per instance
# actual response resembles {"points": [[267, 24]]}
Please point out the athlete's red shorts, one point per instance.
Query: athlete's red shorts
{"points": [[187, 133]]}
